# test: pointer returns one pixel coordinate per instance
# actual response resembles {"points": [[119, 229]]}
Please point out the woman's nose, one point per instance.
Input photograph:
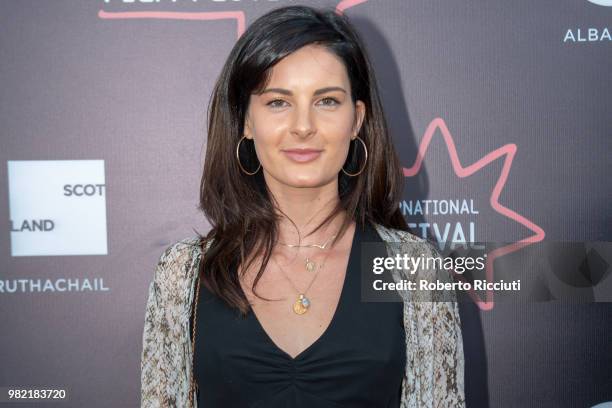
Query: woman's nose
{"points": [[303, 122]]}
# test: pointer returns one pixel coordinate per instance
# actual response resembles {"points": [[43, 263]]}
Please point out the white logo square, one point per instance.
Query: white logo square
{"points": [[57, 207]]}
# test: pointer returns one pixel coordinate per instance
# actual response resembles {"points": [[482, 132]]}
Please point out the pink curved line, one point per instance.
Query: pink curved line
{"points": [[507, 152], [346, 4], [176, 15]]}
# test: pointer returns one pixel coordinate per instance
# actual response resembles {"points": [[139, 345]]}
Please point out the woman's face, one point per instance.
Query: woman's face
{"points": [[306, 105]]}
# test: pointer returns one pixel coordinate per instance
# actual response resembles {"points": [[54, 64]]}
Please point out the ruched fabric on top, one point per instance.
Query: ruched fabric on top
{"points": [[357, 362]]}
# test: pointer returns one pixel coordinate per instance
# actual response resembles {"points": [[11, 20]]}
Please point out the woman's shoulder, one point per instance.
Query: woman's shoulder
{"points": [[180, 250], [405, 240], [177, 262], [389, 234]]}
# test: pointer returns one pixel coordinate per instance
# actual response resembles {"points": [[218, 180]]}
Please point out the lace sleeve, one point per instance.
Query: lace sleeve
{"points": [[154, 365], [434, 346], [446, 345]]}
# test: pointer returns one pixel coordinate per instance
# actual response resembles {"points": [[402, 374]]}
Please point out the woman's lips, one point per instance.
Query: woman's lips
{"points": [[302, 156]]}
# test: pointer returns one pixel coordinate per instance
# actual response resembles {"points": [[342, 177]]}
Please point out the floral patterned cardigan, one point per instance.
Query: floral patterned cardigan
{"points": [[433, 377]]}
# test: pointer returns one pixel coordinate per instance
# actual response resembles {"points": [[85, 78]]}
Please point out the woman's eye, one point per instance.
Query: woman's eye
{"points": [[274, 104], [330, 101]]}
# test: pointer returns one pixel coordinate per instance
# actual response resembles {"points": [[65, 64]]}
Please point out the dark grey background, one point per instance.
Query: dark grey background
{"points": [[134, 93]]}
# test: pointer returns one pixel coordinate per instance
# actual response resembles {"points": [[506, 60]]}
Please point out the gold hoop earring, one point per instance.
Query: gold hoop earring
{"points": [[238, 158], [365, 149]]}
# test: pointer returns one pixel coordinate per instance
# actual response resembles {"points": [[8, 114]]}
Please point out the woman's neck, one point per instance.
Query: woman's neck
{"points": [[303, 209]]}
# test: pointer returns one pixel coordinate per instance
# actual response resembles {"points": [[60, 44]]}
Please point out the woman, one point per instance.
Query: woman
{"points": [[265, 311]]}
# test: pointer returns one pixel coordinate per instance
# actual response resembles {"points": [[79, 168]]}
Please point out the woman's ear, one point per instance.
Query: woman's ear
{"points": [[248, 132], [360, 111]]}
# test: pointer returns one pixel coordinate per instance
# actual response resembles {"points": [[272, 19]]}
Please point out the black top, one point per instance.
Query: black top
{"points": [[358, 361]]}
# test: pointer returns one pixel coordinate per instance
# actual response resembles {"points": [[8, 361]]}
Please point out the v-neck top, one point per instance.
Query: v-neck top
{"points": [[358, 361]]}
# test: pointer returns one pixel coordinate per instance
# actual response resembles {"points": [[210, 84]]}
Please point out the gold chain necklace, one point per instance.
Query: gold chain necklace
{"points": [[302, 303], [309, 263], [320, 246]]}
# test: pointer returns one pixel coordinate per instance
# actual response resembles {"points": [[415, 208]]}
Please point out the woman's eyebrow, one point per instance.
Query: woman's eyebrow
{"points": [[317, 92]]}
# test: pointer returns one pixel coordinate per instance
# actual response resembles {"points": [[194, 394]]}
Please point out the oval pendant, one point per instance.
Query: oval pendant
{"points": [[310, 265], [300, 306]]}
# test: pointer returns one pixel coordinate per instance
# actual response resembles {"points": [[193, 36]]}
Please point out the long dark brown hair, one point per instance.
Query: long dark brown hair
{"points": [[241, 208]]}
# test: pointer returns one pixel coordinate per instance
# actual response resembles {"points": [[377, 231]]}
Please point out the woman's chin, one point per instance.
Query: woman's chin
{"points": [[306, 181]]}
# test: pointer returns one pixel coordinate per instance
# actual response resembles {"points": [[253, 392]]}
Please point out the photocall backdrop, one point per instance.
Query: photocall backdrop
{"points": [[502, 107]]}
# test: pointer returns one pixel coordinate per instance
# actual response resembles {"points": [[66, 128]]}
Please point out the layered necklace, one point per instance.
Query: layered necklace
{"points": [[309, 263], [302, 303]]}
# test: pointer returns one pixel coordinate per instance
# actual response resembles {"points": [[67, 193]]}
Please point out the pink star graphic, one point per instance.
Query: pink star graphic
{"points": [[507, 152], [345, 4]]}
